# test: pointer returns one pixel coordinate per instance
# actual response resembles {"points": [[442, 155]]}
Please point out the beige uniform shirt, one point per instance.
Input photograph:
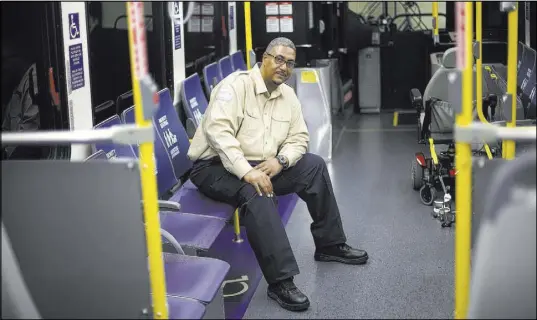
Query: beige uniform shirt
{"points": [[244, 122]]}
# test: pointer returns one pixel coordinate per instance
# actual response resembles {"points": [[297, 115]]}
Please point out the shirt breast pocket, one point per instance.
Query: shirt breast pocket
{"points": [[251, 123], [280, 124]]}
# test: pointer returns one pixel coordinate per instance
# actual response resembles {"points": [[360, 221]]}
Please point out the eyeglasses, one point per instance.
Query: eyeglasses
{"points": [[281, 60]]}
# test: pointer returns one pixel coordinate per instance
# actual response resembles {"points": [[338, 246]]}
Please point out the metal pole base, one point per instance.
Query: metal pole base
{"points": [[238, 239]]}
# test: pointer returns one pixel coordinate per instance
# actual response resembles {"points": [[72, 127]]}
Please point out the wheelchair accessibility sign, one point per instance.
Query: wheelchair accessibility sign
{"points": [[74, 26]]}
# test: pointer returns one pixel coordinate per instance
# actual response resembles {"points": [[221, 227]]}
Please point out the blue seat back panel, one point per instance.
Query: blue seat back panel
{"points": [[211, 76], [164, 169], [238, 61], [225, 66], [172, 134], [194, 100], [111, 149]]}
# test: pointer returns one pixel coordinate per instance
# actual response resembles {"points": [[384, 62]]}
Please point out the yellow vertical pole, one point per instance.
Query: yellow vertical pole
{"points": [[463, 162], [435, 22], [512, 56], [479, 60], [139, 69], [248, 32]]}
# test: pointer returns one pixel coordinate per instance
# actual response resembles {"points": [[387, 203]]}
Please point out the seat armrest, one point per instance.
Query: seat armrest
{"points": [[166, 205], [416, 99], [190, 127]]}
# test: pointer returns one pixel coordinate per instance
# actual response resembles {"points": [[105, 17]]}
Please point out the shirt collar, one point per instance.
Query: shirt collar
{"points": [[260, 87]]}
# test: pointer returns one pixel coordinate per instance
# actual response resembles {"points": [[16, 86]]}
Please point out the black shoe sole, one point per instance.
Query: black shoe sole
{"points": [[328, 258], [291, 307]]}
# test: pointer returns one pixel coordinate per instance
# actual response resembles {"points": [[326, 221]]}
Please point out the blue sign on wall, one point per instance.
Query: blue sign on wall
{"points": [[76, 62], [231, 18], [177, 31], [74, 26]]}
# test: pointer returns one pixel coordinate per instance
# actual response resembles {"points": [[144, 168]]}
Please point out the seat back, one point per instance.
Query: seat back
{"points": [[163, 165], [95, 266], [172, 134], [111, 149], [225, 67], [211, 77], [194, 100], [438, 86], [237, 61], [124, 101], [504, 286]]}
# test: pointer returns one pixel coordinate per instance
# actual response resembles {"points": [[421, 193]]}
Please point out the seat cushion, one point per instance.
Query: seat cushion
{"points": [[192, 230], [193, 201], [194, 277], [184, 308]]}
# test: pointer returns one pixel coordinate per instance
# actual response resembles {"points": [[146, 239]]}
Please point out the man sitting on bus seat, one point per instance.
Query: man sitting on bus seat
{"points": [[250, 146]]}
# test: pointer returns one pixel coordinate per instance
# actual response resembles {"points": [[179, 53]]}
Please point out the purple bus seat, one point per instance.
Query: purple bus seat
{"points": [[184, 308], [194, 277], [166, 121], [211, 77], [237, 60], [113, 150], [225, 67], [192, 230], [194, 100], [166, 178], [127, 117]]}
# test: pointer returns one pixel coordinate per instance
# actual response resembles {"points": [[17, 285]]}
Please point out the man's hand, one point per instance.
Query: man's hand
{"points": [[260, 181], [270, 167]]}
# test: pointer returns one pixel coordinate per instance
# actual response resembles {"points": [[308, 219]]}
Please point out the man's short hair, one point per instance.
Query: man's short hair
{"points": [[281, 41]]}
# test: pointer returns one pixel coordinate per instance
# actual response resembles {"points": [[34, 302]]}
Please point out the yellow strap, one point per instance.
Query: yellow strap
{"points": [[435, 17], [433, 151], [395, 118], [147, 169], [487, 150]]}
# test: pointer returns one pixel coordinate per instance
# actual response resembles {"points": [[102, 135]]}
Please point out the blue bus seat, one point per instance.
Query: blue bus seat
{"points": [[225, 67], [198, 278], [211, 77], [194, 101], [169, 127], [113, 150], [237, 60], [184, 308], [171, 147]]}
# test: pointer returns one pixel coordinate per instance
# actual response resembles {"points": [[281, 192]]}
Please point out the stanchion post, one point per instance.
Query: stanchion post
{"points": [[145, 98]]}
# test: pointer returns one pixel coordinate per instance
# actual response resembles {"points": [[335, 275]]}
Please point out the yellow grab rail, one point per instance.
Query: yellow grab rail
{"points": [[508, 148], [463, 161], [435, 22], [248, 32], [139, 71]]}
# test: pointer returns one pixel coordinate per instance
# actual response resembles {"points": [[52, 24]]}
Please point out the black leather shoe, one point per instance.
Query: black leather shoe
{"points": [[341, 253], [288, 295]]}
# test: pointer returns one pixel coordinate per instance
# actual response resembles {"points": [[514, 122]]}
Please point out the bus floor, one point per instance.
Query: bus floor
{"points": [[410, 269]]}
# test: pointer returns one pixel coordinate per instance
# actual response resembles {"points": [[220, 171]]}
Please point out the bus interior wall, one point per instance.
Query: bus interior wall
{"points": [[109, 45], [28, 37]]}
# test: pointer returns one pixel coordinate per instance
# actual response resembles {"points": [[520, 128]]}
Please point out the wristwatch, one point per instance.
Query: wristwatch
{"points": [[283, 161]]}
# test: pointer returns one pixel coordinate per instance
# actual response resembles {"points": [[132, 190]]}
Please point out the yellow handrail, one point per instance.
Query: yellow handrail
{"points": [[139, 66], [248, 32], [463, 163], [435, 22], [508, 148]]}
